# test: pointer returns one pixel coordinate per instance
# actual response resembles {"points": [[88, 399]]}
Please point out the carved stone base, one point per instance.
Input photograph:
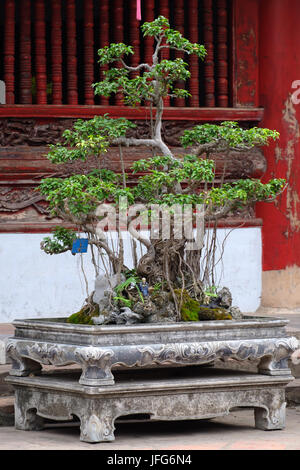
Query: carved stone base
{"points": [[100, 350], [181, 394]]}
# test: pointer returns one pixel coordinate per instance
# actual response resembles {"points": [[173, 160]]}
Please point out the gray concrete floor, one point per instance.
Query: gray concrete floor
{"points": [[233, 432]]}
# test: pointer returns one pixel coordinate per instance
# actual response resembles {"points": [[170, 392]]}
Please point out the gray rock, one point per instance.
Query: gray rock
{"points": [[235, 313], [225, 298], [129, 317], [103, 284], [100, 320]]}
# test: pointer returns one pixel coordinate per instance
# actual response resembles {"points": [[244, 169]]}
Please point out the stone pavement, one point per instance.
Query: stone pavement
{"points": [[232, 432]]}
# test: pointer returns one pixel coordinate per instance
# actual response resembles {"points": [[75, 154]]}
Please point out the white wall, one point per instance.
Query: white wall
{"points": [[36, 285]]}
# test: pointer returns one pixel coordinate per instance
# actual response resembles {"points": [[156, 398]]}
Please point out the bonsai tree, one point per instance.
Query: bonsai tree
{"points": [[173, 279]]}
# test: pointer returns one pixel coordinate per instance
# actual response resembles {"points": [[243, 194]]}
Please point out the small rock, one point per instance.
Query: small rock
{"points": [[235, 313], [103, 284], [224, 298]]}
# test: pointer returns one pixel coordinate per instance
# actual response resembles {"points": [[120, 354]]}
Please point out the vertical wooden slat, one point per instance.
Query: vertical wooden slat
{"points": [[118, 18], [56, 51], [179, 26], [134, 36], [209, 81], [104, 36], [222, 65], [40, 52], [148, 40], [165, 53], [88, 52], [72, 92], [193, 59], [25, 52], [9, 51]]}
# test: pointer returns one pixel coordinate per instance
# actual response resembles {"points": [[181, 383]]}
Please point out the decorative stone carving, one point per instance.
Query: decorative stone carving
{"points": [[96, 364], [140, 350], [186, 394]]}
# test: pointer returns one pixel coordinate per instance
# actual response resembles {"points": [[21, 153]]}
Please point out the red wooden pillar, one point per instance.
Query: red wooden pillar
{"points": [[88, 28], [104, 37], [9, 51], [72, 91], [222, 64], [118, 16], [25, 52], [279, 62], [209, 59], [40, 52], [245, 42], [179, 26], [56, 51]]}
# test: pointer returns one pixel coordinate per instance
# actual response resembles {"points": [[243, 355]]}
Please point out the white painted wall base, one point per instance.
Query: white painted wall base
{"points": [[36, 285]]}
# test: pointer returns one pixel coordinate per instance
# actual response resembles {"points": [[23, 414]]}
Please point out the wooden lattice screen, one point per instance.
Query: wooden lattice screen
{"points": [[48, 48]]}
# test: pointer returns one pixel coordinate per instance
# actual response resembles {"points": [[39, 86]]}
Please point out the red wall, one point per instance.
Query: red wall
{"points": [[279, 67]]}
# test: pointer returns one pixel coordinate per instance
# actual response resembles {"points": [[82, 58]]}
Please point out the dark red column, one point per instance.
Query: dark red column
{"points": [[104, 37], [25, 53], [56, 51], [118, 18], [165, 53], [193, 59], [9, 51], [40, 52], [222, 49], [72, 91], [279, 66], [179, 26], [88, 52]]}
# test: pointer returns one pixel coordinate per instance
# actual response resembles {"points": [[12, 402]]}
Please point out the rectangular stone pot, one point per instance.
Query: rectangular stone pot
{"points": [[100, 349]]}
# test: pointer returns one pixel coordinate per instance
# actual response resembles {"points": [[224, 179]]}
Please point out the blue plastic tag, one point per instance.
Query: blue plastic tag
{"points": [[80, 245]]}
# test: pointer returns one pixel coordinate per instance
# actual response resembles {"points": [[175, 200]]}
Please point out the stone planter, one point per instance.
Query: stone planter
{"points": [[113, 383], [98, 350]]}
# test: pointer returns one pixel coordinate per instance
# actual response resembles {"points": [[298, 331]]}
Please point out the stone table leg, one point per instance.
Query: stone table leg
{"points": [[97, 429]]}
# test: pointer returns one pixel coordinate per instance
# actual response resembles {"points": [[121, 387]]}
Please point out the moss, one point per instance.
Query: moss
{"points": [[206, 313], [191, 310], [189, 307], [85, 315]]}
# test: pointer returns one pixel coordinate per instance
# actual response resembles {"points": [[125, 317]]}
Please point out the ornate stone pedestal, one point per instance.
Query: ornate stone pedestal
{"points": [[157, 369], [99, 350], [170, 394]]}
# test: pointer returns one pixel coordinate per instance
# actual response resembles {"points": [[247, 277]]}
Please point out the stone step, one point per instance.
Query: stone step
{"points": [[7, 412]]}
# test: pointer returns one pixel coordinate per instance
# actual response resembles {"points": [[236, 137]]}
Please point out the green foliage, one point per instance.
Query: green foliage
{"points": [[79, 195], [130, 281], [113, 52], [160, 27], [62, 241], [88, 138], [211, 291], [245, 191], [123, 301], [155, 80], [229, 132]]}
